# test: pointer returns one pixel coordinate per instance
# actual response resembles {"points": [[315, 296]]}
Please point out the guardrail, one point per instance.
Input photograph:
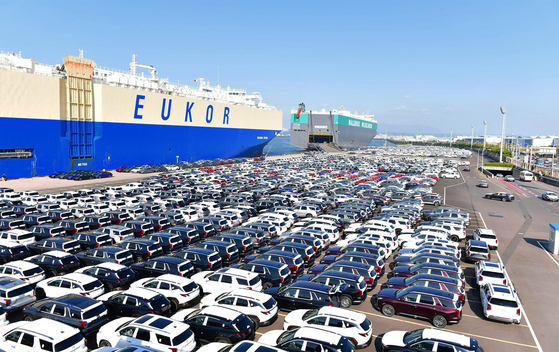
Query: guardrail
{"points": [[486, 172], [554, 181]]}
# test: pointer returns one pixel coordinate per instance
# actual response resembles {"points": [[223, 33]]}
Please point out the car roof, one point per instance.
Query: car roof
{"points": [[323, 335], [172, 278], [111, 266], [7, 282], [157, 322], [474, 243], [236, 272], [491, 266], [310, 285], [75, 300], [76, 277], [502, 292], [58, 254], [447, 336], [242, 292], [265, 262], [20, 264], [339, 274], [139, 292], [56, 330], [342, 313], [220, 312]]}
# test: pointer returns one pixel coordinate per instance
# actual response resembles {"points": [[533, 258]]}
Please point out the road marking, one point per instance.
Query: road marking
{"points": [[545, 249], [258, 333], [458, 184], [282, 314], [430, 326]]}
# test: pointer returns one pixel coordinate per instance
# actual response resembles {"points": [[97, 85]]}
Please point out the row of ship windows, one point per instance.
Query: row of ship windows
{"points": [[16, 153]]}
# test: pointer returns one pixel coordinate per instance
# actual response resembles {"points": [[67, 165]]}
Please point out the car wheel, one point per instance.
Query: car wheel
{"points": [[137, 259], [104, 343], [255, 320], [174, 305], [28, 318], [198, 270], [346, 301], [309, 215], [436, 204], [454, 238], [110, 287], [503, 199], [388, 310], [267, 285], [439, 321]]}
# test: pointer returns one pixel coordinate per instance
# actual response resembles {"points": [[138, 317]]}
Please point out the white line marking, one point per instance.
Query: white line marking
{"points": [[545, 249], [521, 306]]}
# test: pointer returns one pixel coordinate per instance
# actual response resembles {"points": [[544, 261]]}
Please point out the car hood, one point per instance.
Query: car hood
{"points": [[270, 337], [249, 258], [388, 292], [403, 259], [213, 347], [110, 327], [180, 315], [295, 317], [394, 338], [201, 276], [209, 300], [401, 269], [329, 259], [334, 250], [272, 291], [305, 277], [405, 252], [397, 281], [316, 269]]}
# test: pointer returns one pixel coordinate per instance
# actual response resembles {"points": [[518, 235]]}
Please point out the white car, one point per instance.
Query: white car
{"points": [[355, 326], [260, 307], [488, 236], [41, 335], [500, 303], [180, 291], [424, 235], [118, 233], [33, 200], [227, 279], [454, 175], [449, 251], [304, 211], [332, 231], [150, 330], [17, 236], [310, 339], [432, 242], [490, 272], [23, 270], [71, 283]]}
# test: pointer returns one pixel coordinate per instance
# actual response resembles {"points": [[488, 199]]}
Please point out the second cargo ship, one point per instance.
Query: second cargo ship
{"points": [[340, 128], [77, 115]]}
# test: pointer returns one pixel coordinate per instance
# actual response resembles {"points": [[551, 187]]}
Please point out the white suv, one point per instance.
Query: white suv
{"points": [[72, 283], [180, 291], [227, 279], [41, 335], [490, 272], [486, 235], [500, 303], [260, 307], [355, 326], [150, 330], [25, 271]]}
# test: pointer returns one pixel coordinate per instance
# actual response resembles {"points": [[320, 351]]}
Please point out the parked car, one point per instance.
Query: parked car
{"points": [[503, 196], [113, 276], [476, 251], [500, 303], [412, 341], [305, 295], [163, 265], [180, 291]]}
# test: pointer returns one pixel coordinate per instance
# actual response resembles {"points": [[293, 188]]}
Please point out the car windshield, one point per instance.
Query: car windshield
{"points": [[254, 280], [309, 314], [182, 337], [269, 304], [68, 260], [412, 336], [124, 273], [32, 271], [366, 324], [286, 336], [92, 285], [503, 303], [69, 342], [93, 312]]}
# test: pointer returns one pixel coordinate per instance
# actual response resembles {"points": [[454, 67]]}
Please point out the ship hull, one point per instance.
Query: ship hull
{"points": [[128, 127], [334, 128]]}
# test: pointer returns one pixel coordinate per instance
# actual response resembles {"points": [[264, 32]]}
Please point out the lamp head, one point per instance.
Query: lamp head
{"points": [[503, 110]]}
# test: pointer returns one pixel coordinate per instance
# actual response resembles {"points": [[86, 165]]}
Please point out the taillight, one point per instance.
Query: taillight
{"points": [[360, 293], [8, 302], [480, 278], [228, 255], [518, 311], [504, 281], [96, 244], [488, 306], [265, 312], [170, 246], [83, 324], [378, 269], [281, 278], [210, 265], [149, 254], [364, 334], [179, 274], [116, 261], [308, 258]]}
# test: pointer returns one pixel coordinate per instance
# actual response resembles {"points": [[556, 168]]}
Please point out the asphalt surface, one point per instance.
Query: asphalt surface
{"points": [[522, 227]]}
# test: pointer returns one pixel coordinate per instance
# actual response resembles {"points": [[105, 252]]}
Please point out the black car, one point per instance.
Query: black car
{"points": [[204, 230], [62, 244], [139, 227], [91, 239], [13, 251], [243, 243], [73, 226], [7, 212], [136, 302], [202, 259], [220, 324], [35, 219], [158, 223], [306, 252], [59, 214], [117, 217], [11, 224], [142, 249], [353, 287], [188, 235], [169, 242], [304, 295], [503, 196], [425, 339], [113, 276], [271, 273], [163, 265], [107, 254], [218, 224], [80, 312], [258, 237], [46, 231], [227, 250], [55, 263], [96, 221]]}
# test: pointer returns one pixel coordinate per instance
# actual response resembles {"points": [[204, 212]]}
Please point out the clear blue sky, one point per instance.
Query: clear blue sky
{"points": [[446, 64]]}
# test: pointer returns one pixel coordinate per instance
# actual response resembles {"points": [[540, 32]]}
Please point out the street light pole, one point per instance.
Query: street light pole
{"points": [[472, 142], [484, 134], [451, 137], [504, 112]]}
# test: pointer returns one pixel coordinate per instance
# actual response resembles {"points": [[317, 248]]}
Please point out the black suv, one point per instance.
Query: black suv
{"points": [[47, 230], [353, 287], [304, 295], [117, 217], [188, 235], [139, 227], [81, 312], [204, 230], [107, 254], [136, 302], [202, 259], [142, 249], [73, 226], [57, 215], [12, 251], [88, 240], [96, 221], [169, 242], [271, 273], [158, 223], [243, 243], [112, 275], [55, 244], [218, 323], [163, 265], [55, 262], [306, 252], [35, 219], [293, 260], [227, 251]]}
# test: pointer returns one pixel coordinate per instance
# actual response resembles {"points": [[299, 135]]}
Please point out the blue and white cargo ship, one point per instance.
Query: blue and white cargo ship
{"points": [[77, 115]]}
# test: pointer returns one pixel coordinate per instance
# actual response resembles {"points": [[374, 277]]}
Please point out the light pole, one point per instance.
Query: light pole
{"points": [[451, 137], [484, 134], [504, 112], [472, 142]]}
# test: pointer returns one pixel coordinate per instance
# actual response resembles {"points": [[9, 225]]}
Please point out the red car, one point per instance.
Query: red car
{"points": [[439, 307]]}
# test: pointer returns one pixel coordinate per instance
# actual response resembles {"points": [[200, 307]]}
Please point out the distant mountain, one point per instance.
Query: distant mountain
{"points": [[408, 129]]}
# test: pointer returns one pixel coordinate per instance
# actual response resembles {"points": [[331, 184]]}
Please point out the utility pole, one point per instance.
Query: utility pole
{"points": [[472, 142], [451, 137], [484, 135], [504, 112]]}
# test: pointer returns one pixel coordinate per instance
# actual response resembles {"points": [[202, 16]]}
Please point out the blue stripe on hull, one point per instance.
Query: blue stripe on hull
{"points": [[118, 144]]}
